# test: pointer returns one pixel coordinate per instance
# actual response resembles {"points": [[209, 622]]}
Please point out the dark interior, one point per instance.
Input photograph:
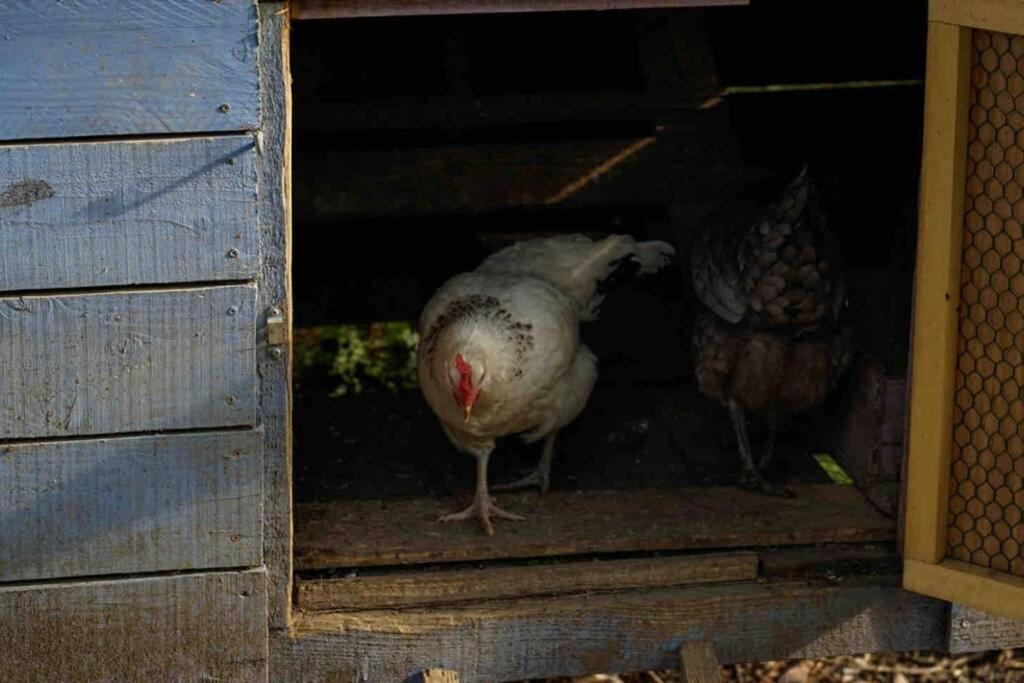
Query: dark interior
{"points": [[422, 144]]}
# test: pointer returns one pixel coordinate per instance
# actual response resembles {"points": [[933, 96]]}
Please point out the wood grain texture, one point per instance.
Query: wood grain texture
{"points": [[80, 68], [539, 638], [130, 505], [698, 662], [995, 592], [337, 9], [936, 289], [972, 630], [275, 289], [993, 15], [103, 363], [360, 533], [194, 627], [127, 213], [495, 583]]}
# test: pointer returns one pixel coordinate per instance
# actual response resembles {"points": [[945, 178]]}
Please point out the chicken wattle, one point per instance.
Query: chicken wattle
{"points": [[500, 350]]}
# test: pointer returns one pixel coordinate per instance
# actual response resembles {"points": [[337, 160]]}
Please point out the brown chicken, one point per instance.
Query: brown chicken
{"points": [[774, 340], [500, 352]]}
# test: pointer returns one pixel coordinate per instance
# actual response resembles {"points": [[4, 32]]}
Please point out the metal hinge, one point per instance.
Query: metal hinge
{"points": [[277, 332]]}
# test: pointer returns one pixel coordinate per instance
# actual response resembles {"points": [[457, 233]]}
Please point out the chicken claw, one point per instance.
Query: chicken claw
{"points": [[482, 508], [753, 481], [536, 478]]}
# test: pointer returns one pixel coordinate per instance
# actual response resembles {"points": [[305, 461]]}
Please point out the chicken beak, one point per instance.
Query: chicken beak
{"points": [[468, 410]]}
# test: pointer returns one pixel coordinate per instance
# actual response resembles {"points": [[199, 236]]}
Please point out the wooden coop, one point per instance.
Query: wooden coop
{"points": [[219, 218]]}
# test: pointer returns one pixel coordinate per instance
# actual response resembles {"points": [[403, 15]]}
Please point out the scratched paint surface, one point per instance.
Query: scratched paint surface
{"points": [[130, 504], [104, 363], [128, 212], [123, 67]]}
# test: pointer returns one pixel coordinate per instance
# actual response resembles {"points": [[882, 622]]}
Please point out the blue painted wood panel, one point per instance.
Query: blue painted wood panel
{"points": [[131, 504], [127, 361], [126, 67], [128, 212], [209, 626]]}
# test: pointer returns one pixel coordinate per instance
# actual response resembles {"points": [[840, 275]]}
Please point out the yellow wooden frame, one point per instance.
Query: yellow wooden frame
{"points": [[927, 569]]}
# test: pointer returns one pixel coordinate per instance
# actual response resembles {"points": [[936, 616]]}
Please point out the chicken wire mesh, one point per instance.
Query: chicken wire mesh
{"points": [[986, 501]]}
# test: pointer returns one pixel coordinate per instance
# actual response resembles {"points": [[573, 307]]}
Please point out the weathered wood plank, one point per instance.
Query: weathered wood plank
{"points": [[992, 15], [539, 638], [129, 505], [336, 9], [360, 533], [78, 68], [971, 630], [495, 583], [196, 627], [937, 282], [103, 363], [698, 662], [275, 282], [127, 213]]}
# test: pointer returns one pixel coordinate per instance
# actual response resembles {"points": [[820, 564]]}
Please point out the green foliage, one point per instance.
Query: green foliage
{"points": [[381, 355]]}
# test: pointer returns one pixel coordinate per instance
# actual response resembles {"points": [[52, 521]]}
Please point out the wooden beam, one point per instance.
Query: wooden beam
{"points": [[275, 282], [937, 292], [995, 592], [633, 631], [992, 15], [494, 583], [345, 9], [384, 532], [192, 627], [698, 662]]}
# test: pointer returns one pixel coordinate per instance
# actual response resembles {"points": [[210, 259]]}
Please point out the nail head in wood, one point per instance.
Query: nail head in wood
{"points": [[698, 662]]}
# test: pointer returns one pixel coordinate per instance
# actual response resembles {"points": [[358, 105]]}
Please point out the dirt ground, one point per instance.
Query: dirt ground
{"points": [[990, 667]]}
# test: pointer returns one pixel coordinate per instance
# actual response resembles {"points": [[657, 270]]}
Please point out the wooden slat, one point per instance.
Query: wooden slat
{"points": [[337, 9], [126, 213], [359, 533], [698, 662], [544, 637], [275, 289], [494, 583], [995, 592], [937, 292], [971, 630], [121, 67], [993, 15], [127, 361], [129, 505], [197, 627]]}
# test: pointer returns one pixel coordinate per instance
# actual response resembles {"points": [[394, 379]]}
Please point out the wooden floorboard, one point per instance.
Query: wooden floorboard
{"points": [[387, 532], [418, 588]]}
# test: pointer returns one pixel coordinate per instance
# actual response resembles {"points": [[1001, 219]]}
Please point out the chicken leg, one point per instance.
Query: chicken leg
{"points": [[540, 476], [483, 506], [751, 477]]}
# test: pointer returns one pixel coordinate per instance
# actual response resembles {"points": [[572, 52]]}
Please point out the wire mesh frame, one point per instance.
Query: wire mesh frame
{"points": [[986, 490]]}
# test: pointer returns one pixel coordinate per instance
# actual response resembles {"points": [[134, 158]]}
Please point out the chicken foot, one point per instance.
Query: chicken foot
{"points": [[483, 506], [751, 478], [540, 476]]}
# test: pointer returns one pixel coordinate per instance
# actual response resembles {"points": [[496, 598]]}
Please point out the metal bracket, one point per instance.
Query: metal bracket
{"points": [[277, 332]]}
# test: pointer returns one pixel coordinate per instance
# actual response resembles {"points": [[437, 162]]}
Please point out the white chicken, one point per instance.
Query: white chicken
{"points": [[500, 352]]}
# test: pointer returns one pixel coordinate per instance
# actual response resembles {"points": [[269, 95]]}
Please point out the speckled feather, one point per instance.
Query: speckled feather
{"points": [[516, 318], [776, 268]]}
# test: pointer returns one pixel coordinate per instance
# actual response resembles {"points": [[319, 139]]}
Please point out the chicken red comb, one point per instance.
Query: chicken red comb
{"points": [[462, 365]]}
